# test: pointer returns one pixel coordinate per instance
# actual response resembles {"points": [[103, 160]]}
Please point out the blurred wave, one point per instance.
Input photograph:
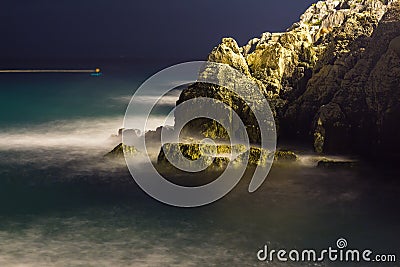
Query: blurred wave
{"points": [[91, 133]]}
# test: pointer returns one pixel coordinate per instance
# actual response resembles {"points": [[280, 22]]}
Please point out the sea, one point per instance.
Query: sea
{"points": [[62, 203]]}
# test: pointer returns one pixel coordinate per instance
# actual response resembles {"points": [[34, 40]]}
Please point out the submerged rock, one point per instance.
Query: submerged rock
{"points": [[328, 163]]}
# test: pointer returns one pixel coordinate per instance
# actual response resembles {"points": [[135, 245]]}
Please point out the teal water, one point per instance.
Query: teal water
{"points": [[38, 98], [63, 204]]}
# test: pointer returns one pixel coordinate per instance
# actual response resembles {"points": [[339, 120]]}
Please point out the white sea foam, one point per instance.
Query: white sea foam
{"points": [[61, 134], [169, 100], [87, 133]]}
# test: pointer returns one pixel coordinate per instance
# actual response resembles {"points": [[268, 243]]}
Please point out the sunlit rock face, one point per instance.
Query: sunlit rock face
{"points": [[332, 79]]}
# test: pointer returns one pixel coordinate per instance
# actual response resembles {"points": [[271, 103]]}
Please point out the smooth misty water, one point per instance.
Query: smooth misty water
{"points": [[63, 204]]}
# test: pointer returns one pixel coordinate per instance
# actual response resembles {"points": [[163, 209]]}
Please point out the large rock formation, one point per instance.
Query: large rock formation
{"points": [[332, 79]]}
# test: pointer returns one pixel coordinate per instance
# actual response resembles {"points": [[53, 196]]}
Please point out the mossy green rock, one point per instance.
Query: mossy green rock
{"points": [[256, 157], [216, 156], [285, 155], [192, 152]]}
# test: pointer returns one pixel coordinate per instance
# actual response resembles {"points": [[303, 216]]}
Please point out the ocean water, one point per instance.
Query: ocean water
{"points": [[64, 204]]}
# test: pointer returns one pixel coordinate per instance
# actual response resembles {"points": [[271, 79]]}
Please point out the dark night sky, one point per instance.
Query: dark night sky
{"points": [[147, 29]]}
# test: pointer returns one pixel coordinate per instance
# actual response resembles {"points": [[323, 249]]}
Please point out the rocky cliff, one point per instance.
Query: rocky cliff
{"points": [[332, 79]]}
